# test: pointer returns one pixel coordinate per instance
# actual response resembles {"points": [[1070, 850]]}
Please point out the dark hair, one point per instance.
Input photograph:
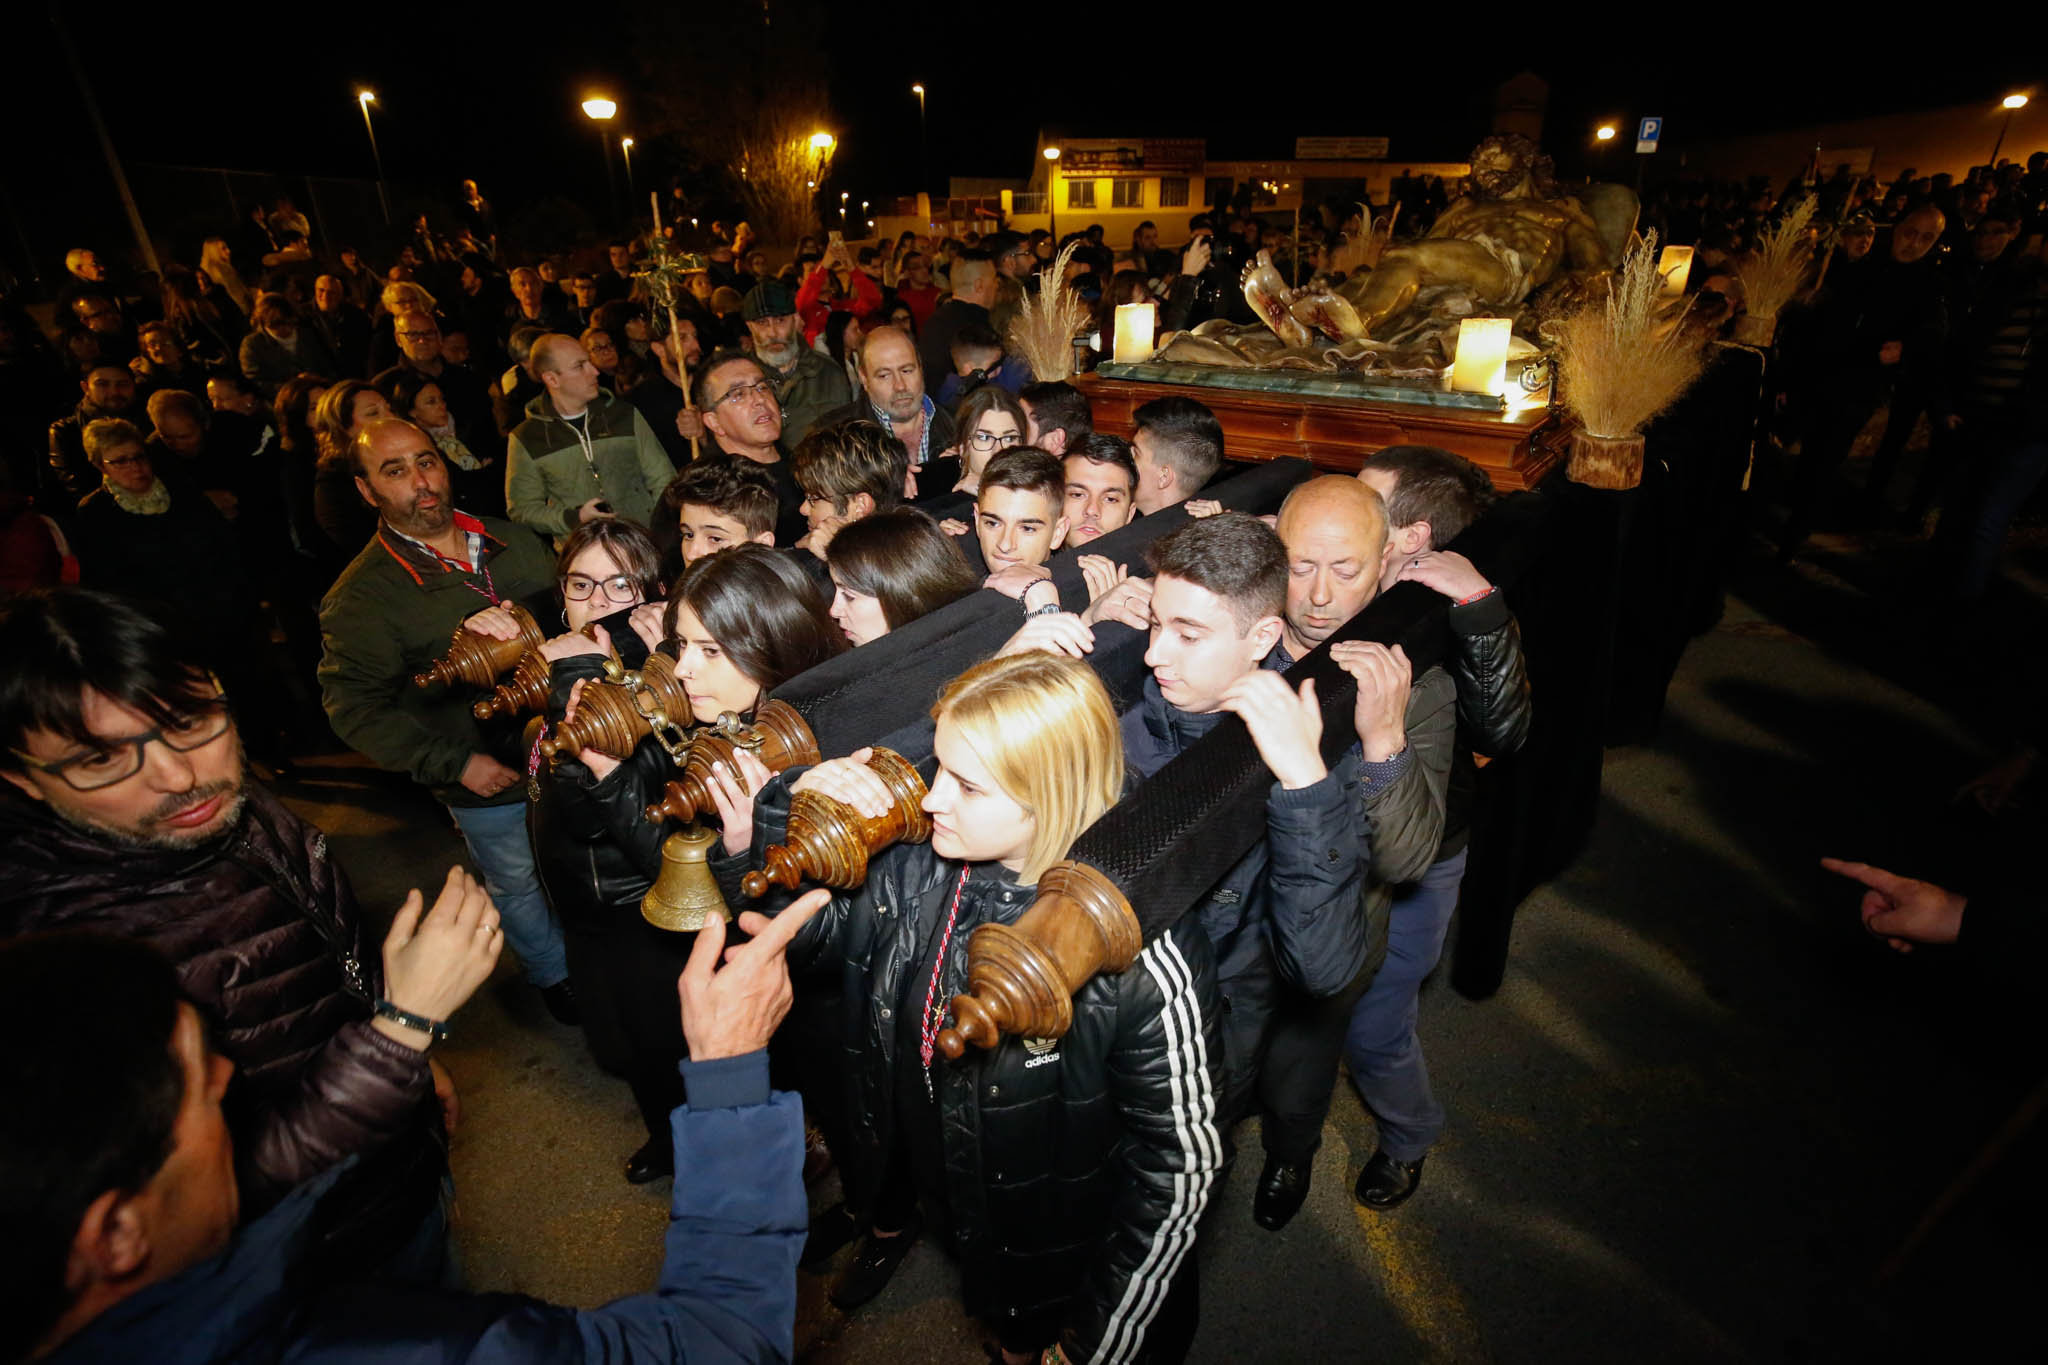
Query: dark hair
{"points": [[406, 387], [1234, 555], [272, 308], [835, 334], [853, 457], [1058, 406], [629, 545], [718, 360], [1185, 435], [901, 558], [979, 404], [294, 407], [763, 610], [1028, 469], [975, 336], [61, 642], [1447, 491], [91, 1106], [729, 486], [1099, 447]]}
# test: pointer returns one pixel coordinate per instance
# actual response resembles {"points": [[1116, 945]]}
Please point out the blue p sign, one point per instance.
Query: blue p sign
{"points": [[1648, 133]]}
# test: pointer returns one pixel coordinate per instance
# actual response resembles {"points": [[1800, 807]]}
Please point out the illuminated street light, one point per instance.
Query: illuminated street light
{"points": [[600, 108], [2012, 104], [822, 142], [1605, 132], [626, 150], [1052, 193], [1052, 154], [364, 99], [924, 149]]}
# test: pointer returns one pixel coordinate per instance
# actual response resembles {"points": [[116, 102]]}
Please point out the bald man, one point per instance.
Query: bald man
{"points": [[1335, 532], [389, 616], [974, 293], [893, 393], [581, 452]]}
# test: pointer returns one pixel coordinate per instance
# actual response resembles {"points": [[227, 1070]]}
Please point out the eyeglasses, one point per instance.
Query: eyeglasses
{"points": [[745, 392], [121, 759], [619, 587], [427, 335], [124, 462], [982, 440]]}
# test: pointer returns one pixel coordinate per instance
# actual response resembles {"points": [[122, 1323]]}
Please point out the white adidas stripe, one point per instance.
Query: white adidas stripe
{"points": [[1188, 1080]]}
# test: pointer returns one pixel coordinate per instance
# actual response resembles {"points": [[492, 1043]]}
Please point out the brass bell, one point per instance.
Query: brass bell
{"points": [[685, 894]]}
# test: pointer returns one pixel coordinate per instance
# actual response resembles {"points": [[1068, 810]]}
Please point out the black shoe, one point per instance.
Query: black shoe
{"points": [[653, 1161], [1282, 1187], [873, 1265], [560, 999], [830, 1230], [1385, 1182]]}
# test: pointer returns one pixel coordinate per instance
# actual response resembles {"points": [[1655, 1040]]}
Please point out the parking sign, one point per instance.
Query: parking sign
{"points": [[1648, 133]]}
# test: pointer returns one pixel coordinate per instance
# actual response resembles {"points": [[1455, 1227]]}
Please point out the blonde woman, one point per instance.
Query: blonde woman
{"points": [[1069, 1172], [220, 268]]}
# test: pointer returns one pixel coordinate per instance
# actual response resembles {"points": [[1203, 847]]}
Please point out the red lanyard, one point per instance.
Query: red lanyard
{"points": [[489, 591], [935, 1008]]}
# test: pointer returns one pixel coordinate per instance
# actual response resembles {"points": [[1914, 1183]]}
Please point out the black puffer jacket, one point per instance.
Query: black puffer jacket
{"points": [[1493, 704], [1075, 1170], [268, 943]]}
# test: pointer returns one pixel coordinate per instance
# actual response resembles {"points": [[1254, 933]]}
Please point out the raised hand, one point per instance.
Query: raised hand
{"points": [[1445, 571], [733, 793], [433, 962], [1286, 726], [1129, 602], [732, 1010], [494, 623], [1101, 574], [1900, 910], [1056, 633], [1381, 712], [850, 782]]}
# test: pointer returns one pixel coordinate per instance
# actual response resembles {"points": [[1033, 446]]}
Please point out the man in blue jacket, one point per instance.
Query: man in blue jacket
{"points": [[117, 1188]]}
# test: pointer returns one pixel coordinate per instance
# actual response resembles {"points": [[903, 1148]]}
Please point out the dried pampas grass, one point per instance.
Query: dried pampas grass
{"points": [[1622, 361], [1043, 330], [1772, 274]]}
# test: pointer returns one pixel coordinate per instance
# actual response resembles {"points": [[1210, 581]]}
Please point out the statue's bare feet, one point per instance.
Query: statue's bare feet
{"points": [[1270, 298]]}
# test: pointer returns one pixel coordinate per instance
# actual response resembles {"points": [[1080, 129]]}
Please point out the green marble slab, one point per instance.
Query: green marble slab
{"points": [[1308, 383]]}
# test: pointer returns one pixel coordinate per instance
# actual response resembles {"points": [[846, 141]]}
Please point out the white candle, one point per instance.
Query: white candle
{"points": [[1134, 323], [1674, 266], [1481, 365]]}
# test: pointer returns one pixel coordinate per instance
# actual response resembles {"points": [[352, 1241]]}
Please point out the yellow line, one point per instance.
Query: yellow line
{"points": [[1421, 1293]]}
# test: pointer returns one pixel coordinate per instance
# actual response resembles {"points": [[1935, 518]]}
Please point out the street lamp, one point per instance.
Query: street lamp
{"points": [[924, 151], [2012, 104], [599, 110], [843, 196], [626, 150], [1605, 132], [364, 99], [1052, 195]]}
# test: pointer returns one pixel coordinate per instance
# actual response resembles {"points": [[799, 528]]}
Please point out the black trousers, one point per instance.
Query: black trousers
{"points": [[625, 980], [1304, 1044]]}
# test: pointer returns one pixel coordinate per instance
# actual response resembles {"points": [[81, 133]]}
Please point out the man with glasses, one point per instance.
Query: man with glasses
{"points": [[893, 395], [388, 617], [736, 396], [422, 351], [127, 811], [807, 385]]}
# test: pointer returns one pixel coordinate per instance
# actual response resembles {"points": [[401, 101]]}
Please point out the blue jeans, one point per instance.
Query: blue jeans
{"points": [[498, 845], [1382, 1048]]}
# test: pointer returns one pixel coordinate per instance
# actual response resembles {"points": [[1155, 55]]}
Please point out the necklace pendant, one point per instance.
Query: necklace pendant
{"points": [[532, 789]]}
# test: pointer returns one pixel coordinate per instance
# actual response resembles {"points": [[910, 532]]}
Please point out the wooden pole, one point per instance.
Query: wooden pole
{"points": [[675, 346]]}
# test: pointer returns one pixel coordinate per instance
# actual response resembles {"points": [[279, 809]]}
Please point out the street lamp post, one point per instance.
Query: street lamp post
{"points": [[626, 151], [2012, 104], [600, 110], [822, 144], [924, 151], [366, 98], [1052, 195]]}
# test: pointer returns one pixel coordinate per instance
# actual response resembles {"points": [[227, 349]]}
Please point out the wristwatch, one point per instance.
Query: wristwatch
{"points": [[1024, 600]]}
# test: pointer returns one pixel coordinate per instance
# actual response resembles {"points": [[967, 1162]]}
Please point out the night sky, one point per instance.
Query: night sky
{"points": [[461, 95]]}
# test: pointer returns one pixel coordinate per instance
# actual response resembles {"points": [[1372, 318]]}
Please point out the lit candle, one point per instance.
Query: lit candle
{"points": [[1134, 323], [1674, 265], [1481, 365]]}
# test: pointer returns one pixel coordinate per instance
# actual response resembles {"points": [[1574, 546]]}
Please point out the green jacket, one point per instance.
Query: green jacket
{"points": [[815, 387], [549, 474], [390, 615]]}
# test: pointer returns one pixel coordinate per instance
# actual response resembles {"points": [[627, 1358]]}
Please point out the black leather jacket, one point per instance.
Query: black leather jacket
{"points": [[1075, 1169], [1493, 703], [595, 854]]}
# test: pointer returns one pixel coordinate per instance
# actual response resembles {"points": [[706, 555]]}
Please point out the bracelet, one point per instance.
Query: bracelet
{"points": [[1024, 599], [437, 1029], [1479, 596], [1049, 609]]}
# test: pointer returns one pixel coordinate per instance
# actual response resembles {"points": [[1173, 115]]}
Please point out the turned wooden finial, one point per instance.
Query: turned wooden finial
{"points": [[778, 737], [613, 715], [526, 690], [480, 660], [1022, 977], [830, 843]]}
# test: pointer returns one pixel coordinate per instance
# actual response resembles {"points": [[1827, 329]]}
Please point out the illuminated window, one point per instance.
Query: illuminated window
{"points": [[1080, 194], [1173, 194], [1127, 194]]}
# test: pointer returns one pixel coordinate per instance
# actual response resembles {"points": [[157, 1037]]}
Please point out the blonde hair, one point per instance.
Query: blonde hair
{"points": [[1044, 725], [403, 296]]}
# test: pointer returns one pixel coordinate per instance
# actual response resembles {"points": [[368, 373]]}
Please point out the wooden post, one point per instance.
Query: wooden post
{"points": [[675, 347]]}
